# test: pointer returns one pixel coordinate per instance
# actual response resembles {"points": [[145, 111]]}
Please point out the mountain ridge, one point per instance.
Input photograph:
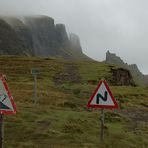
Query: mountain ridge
{"points": [[40, 36]]}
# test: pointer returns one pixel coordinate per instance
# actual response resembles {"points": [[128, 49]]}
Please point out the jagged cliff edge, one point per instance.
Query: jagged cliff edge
{"points": [[38, 36]]}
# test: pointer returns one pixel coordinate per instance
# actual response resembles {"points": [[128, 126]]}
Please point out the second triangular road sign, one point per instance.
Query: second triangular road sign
{"points": [[7, 105], [102, 97]]}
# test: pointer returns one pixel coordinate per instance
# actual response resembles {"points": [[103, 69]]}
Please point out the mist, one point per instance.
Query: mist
{"points": [[119, 26]]}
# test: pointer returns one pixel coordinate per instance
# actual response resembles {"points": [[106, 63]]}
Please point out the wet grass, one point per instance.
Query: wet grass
{"points": [[60, 118]]}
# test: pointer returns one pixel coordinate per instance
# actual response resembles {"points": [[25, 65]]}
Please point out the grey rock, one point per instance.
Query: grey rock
{"points": [[75, 42], [140, 78]]}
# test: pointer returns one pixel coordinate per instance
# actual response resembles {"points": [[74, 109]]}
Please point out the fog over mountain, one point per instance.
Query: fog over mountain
{"points": [[116, 25]]}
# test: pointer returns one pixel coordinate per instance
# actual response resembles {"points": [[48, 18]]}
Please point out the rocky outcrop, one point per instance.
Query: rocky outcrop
{"points": [[121, 76], [10, 43], [61, 36], [111, 58], [23, 33], [41, 37], [75, 42]]}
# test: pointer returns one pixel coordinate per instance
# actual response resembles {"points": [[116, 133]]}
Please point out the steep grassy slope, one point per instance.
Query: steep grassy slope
{"points": [[60, 118]]}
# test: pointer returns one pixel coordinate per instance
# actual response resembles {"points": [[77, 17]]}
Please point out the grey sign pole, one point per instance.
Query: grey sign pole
{"points": [[35, 88], [1, 131], [102, 125], [35, 72]]}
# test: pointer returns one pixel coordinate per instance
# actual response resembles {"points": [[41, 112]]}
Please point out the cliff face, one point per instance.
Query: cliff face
{"points": [[75, 42], [41, 37], [23, 32], [135, 72], [10, 39], [61, 36], [42, 31]]}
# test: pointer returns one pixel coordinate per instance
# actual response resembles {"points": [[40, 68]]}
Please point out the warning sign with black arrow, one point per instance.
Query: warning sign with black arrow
{"points": [[102, 97]]}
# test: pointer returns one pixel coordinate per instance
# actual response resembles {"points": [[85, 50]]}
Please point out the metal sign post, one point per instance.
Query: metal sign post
{"points": [[35, 72], [35, 88], [102, 125], [1, 131]]}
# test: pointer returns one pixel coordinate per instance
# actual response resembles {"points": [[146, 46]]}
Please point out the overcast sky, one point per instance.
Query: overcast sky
{"points": [[120, 26]]}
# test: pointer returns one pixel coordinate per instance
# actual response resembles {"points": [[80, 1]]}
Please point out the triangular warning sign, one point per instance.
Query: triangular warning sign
{"points": [[102, 97], [7, 105]]}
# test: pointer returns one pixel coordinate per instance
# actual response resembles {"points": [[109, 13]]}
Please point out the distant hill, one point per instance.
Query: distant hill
{"points": [[38, 36], [140, 78]]}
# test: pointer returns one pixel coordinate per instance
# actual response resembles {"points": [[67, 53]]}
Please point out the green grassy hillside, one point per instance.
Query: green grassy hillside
{"points": [[60, 119]]}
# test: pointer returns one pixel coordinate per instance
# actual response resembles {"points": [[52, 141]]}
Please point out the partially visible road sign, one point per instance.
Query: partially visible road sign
{"points": [[7, 105], [35, 71], [102, 97]]}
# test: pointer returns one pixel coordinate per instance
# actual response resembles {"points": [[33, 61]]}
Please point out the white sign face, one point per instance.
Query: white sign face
{"points": [[7, 105], [102, 97]]}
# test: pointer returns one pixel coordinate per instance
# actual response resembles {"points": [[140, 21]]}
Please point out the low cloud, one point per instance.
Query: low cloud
{"points": [[115, 25]]}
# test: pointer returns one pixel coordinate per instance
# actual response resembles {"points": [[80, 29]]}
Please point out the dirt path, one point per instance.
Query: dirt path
{"points": [[70, 75]]}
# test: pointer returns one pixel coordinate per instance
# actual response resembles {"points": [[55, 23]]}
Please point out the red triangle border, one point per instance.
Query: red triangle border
{"points": [[89, 105], [10, 96]]}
